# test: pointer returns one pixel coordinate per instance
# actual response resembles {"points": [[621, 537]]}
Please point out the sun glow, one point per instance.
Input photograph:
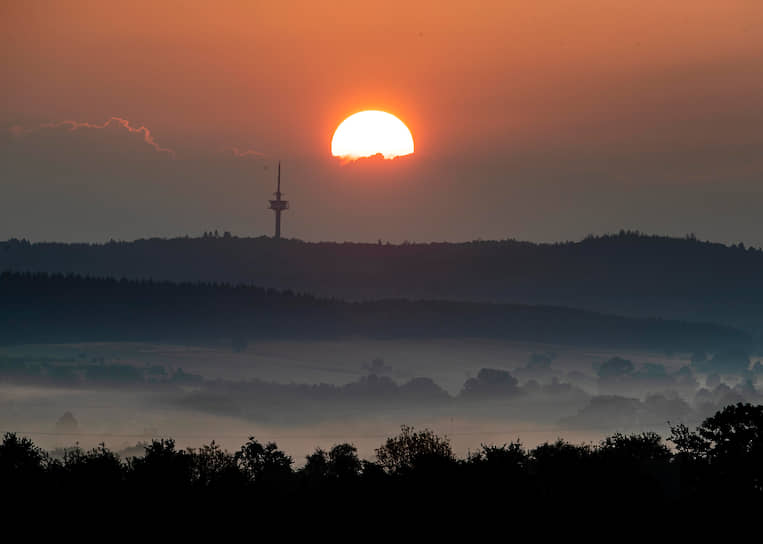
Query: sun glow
{"points": [[369, 133]]}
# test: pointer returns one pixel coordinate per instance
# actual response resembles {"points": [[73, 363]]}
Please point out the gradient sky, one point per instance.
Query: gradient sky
{"points": [[533, 120]]}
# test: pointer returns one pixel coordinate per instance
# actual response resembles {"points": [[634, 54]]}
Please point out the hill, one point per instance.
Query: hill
{"points": [[42, 308], [627, 273]]}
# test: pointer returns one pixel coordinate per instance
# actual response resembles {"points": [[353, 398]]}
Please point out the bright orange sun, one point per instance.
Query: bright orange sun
{"points": [[368, 133]]}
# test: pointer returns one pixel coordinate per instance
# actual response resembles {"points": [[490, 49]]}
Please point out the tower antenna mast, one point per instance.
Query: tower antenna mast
{"points": [[278, 205]]}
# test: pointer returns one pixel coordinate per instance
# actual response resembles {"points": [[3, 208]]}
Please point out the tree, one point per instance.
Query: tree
{"points": [[559, 456], [512, 455], [689, 445], [490, 382], [562, 472], [163, 465], [726, 449], [339, 463], [213, 466], [263, 463], [20, 460], [639, 448], [735, 433], [344, 462], [413, 449], [317, 466], [497, 464], [96, 468]]}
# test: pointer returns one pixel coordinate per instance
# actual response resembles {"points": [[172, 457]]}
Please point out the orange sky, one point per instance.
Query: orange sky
{"points": [[537, 100]]}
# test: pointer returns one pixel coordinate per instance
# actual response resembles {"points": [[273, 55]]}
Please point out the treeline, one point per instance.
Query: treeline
{"points": [[718, 462], [625, 273], [42, 308], [492, 392]]}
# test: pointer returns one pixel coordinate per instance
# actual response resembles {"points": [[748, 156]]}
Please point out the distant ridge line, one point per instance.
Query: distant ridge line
{"points": [[59, 308], [628, 273]]}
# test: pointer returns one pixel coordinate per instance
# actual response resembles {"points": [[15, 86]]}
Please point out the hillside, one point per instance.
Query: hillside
{"points": [[40, 308], [628, 274]]}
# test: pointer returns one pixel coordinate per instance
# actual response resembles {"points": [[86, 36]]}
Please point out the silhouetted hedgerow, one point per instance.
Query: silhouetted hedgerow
{"points": [[718, 463]]}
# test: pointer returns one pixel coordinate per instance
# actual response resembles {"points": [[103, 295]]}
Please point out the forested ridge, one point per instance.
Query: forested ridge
{"points": [[628, 273], [43, 308]]}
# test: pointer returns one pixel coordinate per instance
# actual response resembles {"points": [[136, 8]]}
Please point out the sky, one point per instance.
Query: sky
{"points": [[543, 121]]}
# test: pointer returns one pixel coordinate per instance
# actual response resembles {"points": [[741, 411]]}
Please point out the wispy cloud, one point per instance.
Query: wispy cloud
{"points": [[237, 152], [19, 131], [114, 121]]}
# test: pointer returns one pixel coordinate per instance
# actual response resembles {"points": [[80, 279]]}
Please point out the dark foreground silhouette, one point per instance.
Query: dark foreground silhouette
{"points": [[719, 463]]}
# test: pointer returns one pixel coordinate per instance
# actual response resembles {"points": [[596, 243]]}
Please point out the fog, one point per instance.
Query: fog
{"points": [[304, 394]]}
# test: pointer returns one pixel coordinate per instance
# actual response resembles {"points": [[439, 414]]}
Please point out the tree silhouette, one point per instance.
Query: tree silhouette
{"points": [[642, 447], [717, 464], [490, 382], [162, 466], [21, 462], [341, 463], [214, 467], [263, 464], [316, 468], [723, 455], [413, 449], [498, 468]]}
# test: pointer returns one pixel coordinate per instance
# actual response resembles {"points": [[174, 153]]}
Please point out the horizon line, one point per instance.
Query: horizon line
{"points": [[215, 235]]}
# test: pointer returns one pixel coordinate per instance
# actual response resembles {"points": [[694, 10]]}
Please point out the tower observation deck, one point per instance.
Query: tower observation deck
{"points": [[278, 205]]}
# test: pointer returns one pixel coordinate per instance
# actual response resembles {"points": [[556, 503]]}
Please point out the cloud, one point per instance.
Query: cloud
{"points": [[615, 411], [246, 153], [19, 133], [73, 126]]}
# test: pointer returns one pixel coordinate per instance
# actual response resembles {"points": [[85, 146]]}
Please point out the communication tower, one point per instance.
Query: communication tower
{"points": [[278, 205]]}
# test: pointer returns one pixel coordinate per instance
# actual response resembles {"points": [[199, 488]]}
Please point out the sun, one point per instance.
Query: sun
{"points": [[369, 133]]}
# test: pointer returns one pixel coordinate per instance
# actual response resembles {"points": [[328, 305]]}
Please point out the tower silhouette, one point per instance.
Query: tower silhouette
{"points": [[278, 205]]}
